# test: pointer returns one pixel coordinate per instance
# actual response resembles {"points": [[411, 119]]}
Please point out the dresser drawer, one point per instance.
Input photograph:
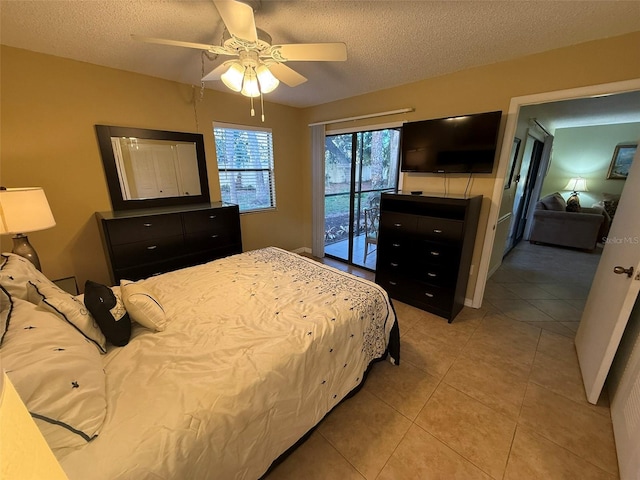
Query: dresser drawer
{"points": [[197, 242], [129, 230], [438, 275], [397, 285], [432, 253], [432, 296], [215, 221], [398, 222], [440, 228], [147, 251]]}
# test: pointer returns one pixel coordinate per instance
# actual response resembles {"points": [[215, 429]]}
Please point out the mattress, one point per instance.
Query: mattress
{"points": [[258, 348]]}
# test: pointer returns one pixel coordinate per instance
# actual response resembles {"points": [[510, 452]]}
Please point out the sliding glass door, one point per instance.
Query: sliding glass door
{"points": [[359, 166]]}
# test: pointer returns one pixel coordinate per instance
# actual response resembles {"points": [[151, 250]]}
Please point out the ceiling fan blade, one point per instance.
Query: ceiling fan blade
{"points": [[286, 75], [216, 72], [177, 43], [238, 18], [317, 52]]}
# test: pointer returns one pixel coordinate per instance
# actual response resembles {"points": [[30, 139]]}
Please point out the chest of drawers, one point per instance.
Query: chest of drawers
{"points": [[147, 242], [425, 246]]}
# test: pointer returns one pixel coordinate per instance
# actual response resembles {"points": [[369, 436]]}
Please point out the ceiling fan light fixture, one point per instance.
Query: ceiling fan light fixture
{"points": [[234, 76], [268, 82], [250, 87]]}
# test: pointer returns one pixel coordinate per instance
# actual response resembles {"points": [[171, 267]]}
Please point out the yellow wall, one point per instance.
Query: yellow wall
{"points": [[49, 108], [488, 88], [50, 104], [587, 152]]}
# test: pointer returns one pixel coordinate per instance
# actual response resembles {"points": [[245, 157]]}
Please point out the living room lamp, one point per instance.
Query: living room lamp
{"points": [[24, 210], [576, 185]]}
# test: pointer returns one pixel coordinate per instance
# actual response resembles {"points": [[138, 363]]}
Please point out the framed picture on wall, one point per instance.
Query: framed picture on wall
{"points": [[512, 163], [621, 161]]}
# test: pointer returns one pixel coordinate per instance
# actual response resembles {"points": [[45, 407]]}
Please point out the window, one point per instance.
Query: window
{"points": [[245, 166]]}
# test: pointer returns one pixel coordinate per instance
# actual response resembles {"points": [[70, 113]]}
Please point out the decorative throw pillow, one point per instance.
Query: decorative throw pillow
{"points": [[6, 305], [108, 310], [57, 373], [143, 306], [554, 202], [67, 307], [15, 274]]}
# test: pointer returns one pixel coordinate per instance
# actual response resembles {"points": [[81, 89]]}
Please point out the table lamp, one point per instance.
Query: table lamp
{"points": [[24, 210], [575, 185]]}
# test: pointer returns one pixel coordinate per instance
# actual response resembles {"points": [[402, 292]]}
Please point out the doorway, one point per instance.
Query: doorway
{"points": [[525, 181], [359, 167]]}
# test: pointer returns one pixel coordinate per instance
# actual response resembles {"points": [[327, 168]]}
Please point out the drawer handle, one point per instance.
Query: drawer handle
{"points": [[152, 247], [397, 225], [215, 236], [212, 216], [430, 295], [392, 283], [432, 275], [394, 264], [396, 244], [435, 230], [435, 254], [147, 224]]}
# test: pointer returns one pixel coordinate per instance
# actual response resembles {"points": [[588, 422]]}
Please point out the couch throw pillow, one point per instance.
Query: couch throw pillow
{"points": [[554, 202], [109, 311]]}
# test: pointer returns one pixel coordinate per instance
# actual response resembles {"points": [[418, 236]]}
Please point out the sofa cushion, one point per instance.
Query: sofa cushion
{"points": [[554, 202]]}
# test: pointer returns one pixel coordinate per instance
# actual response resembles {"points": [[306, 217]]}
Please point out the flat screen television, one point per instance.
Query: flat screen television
{"points": [[463, 144]]}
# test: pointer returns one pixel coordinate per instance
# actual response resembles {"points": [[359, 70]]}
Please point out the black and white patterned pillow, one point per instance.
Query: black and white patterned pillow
{"points": [[58, 374], [108, 310]]}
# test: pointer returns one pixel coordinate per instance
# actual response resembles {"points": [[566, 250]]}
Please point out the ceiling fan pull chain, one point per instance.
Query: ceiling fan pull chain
{"points": [[262, 106], [253, 112]]}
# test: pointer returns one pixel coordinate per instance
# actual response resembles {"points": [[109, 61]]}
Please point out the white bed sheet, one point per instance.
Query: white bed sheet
{"points": [[258, 348]]}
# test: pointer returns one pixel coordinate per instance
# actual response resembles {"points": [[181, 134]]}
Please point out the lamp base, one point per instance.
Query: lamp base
{"points": [[22, 247]]}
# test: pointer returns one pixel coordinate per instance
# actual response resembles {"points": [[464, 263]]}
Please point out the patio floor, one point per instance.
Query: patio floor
{"points": [[341, 250]]}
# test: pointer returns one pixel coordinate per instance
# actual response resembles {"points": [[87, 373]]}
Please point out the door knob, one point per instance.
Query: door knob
{"points": [[620, 270]]}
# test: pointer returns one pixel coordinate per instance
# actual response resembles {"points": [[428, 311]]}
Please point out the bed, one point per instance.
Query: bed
{"points": [[255, 350]]}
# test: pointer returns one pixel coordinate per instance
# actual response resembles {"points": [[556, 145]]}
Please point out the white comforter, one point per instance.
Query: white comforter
{"points": [[258, 348]]}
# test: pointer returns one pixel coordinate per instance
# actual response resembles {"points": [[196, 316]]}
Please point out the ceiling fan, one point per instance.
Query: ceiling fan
{"points": [[258, 66]]}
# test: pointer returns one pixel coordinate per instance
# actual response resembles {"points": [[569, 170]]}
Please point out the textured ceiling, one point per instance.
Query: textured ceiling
{"points": [[389, 43]]}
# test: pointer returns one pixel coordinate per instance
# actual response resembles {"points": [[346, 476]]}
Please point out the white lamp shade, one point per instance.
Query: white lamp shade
{"points": [[268, 82], [577, 184], [232, 78], [250, 86], [24, 210]]}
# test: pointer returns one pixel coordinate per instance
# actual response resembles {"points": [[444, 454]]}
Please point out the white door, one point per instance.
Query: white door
{"points": [[612, 294]]}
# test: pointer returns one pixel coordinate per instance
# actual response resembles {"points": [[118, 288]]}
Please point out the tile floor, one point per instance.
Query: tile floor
{"points": [[496, 394]]}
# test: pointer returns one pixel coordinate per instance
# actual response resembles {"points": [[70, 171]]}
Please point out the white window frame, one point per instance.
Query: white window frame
{"points": [[270, 171]]}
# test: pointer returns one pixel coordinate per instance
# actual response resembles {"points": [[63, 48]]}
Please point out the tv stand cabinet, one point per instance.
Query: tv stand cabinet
{"points": [[425, 247]]}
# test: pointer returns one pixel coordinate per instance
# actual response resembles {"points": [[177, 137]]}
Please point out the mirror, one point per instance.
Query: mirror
{"points": [[153, 168]]}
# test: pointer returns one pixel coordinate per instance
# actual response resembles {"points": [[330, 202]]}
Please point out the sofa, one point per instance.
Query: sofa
{"points": [[554, 225]]}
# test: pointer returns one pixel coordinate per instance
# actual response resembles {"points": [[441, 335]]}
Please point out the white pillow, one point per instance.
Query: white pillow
{"points": [[58, 374], [143, 307], [15, 274], [67, 307]]}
